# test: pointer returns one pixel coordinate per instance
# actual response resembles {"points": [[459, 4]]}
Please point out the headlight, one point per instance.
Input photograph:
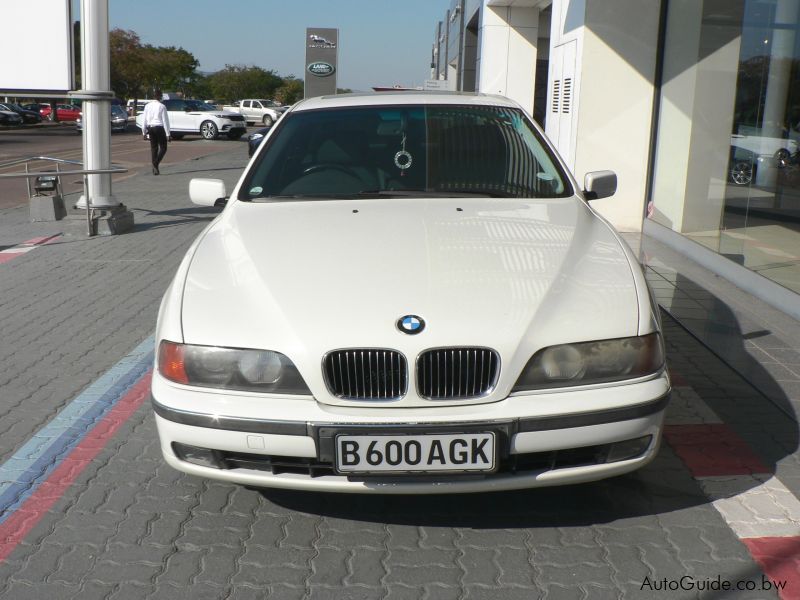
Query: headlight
{"points": [[593, 362], [256, 136], [230, 368]]}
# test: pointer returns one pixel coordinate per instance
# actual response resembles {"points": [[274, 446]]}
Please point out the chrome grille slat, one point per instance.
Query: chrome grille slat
{"points": [[457, 373], [366, 374], [349, 385]]}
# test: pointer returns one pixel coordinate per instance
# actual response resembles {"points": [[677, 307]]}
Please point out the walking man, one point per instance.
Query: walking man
{"points": [[155, 123]]}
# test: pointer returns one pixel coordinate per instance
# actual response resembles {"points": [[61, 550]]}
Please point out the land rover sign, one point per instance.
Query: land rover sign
{"points": [[322, 48], [321, 69]]}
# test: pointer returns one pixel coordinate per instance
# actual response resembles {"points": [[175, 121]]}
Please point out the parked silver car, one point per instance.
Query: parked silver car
{"points": [[119, 120]]}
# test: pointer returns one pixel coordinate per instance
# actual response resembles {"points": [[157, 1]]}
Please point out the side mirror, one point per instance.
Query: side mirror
{"points": [[599, 184], [208, 192]]}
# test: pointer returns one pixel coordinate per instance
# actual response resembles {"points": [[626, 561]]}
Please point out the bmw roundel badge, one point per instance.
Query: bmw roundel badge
{"points": [[411, 324]]}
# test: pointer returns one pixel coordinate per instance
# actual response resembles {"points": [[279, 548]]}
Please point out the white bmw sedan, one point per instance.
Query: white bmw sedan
{"points": [[408, 293]]}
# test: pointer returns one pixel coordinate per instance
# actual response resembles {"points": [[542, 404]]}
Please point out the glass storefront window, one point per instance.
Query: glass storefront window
{"points": [[727, 168]]}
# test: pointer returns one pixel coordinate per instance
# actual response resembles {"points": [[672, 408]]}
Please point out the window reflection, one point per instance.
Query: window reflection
{"points": [[731, 95]]}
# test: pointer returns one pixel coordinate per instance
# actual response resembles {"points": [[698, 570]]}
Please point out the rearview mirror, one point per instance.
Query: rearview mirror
{"points": [[599, 184], [208, 192]]}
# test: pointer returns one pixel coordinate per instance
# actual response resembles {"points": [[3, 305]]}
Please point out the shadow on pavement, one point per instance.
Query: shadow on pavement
{"points": [[210, 170], [566, 506], [196, 213]]}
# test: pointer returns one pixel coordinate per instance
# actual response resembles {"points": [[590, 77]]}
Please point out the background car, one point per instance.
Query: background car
{"points": [[254, 140], [64, 112], [28, 116], [425, 302], [140, 104], [36, 107], [196, 117], [749, 142], [742, 166], [261, 111], [9, 117], [119, 119]]}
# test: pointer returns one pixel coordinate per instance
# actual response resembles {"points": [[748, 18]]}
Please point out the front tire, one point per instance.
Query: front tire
{"points": [[268, 121], [235, 134], [208, 130]]}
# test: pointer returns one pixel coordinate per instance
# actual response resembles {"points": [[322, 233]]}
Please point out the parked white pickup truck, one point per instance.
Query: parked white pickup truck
{"points": [[258, 111]]}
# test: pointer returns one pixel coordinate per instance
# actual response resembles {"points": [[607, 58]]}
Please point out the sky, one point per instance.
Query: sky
{"points": [[381, 42]]}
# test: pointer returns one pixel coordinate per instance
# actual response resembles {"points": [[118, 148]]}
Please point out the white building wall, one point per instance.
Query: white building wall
{"points": [[617, 94], [608, 120], [600, 86], [563, 82], [507, 52]]}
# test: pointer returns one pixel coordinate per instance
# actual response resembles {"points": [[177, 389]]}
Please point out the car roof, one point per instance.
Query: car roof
{"points": [[401, 98]]}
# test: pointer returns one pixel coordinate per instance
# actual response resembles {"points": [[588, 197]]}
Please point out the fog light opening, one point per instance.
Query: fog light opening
{"points": [[628, 449], [202, 457]]}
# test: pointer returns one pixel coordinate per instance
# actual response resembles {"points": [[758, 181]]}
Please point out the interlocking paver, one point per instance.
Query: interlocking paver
{"points": [[365, 567]]}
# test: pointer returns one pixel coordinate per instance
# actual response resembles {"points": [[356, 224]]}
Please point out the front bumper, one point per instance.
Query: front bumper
{"points": [[232, 126], [294, 450]]}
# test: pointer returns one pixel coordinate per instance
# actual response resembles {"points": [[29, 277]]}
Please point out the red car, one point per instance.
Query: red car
{"points": [[65, 112]]}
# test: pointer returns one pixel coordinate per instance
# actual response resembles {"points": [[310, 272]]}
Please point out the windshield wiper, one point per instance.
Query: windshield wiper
{"points": [[306, 197], [405, 193], [438, 193]]}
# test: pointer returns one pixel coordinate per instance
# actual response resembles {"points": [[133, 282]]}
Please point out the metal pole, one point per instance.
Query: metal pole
{"points": [[96, 81], [88, 210]]}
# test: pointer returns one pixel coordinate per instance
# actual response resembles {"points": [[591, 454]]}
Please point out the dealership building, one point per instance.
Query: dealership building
{"points": [[695, 104]]}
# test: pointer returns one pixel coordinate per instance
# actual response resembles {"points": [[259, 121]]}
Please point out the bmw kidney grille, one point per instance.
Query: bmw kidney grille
{"points": [[441, 373], [366, 374], [457, 373]]}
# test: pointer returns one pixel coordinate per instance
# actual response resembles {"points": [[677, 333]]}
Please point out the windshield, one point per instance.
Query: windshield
{"points": [[405, 150], [198, 105]]}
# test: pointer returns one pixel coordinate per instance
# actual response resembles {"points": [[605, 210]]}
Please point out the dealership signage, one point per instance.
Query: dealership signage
{"points": [[322, 49], [321, 69]]}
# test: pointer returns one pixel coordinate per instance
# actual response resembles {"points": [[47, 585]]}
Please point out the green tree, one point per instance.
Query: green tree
{"points": [[198, 86], [170, 68], [236, 82], [129, 68], [291, 91], [137, 69]]}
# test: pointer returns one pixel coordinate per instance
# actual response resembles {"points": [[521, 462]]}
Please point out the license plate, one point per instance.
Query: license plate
{"points": [[464, 452]]}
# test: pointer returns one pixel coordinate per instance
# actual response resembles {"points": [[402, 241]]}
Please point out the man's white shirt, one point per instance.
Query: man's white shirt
{"points": [[155, 114]]}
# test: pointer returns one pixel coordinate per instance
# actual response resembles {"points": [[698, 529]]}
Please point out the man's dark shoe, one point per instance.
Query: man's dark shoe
{"points": [[156, 171]]}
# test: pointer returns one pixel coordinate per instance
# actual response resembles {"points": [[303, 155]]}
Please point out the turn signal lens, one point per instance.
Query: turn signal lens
{"points": [[171, 361], [230, 368]]}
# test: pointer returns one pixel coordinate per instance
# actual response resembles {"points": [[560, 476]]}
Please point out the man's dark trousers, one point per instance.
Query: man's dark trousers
{"points": [[158, 144]]}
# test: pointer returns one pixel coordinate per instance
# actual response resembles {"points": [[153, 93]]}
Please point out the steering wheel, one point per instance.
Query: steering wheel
{"points": [[332, 167]]}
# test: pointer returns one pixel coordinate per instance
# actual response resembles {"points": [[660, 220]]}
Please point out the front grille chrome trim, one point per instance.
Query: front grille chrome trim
{"points": [[366, 374], [457, 373]]}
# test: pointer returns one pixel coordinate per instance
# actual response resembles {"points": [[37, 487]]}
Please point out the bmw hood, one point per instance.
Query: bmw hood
{"points": [[307, 277]]}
